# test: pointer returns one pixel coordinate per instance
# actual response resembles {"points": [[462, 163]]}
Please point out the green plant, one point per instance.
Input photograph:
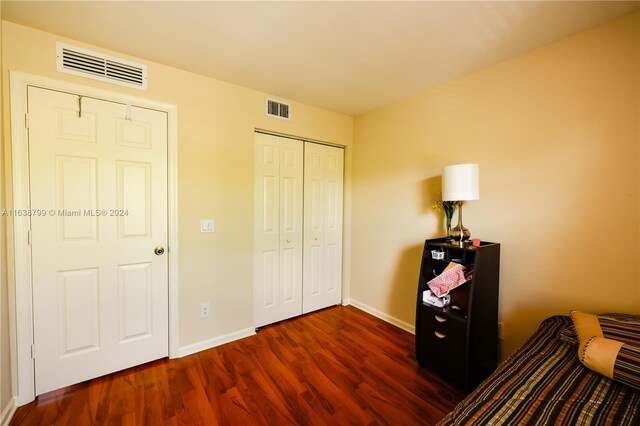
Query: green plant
{"points": [[448, 207]]}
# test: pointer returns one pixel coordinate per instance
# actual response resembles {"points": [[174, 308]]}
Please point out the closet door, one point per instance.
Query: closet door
{"points": [[277, 229], [323, 186]]}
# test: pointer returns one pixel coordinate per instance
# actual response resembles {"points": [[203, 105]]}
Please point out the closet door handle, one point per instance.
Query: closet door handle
{"points": [[440, 319], [439, 335]]}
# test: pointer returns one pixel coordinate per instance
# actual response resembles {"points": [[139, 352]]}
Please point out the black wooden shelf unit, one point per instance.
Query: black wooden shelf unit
{"points": [[460, 342]]}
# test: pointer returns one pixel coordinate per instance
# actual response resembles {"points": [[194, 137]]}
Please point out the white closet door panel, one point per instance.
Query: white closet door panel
{"points": [[135, 313], [78, 307], [269, 275], [334, 184], [134, 198], [277, 229], [323, 211], [290, 280], [291, 195], [76, 191], [314, 271]]}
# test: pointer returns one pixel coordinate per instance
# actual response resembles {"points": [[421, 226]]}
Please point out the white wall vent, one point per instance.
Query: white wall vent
{"points": [[277, 109], [85, 63]]}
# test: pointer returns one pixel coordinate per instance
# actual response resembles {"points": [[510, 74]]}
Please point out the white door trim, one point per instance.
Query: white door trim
{"points": [[20, 284]]}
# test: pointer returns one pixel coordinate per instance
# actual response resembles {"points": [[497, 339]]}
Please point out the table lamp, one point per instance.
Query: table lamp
{"points": [[460, 182]]}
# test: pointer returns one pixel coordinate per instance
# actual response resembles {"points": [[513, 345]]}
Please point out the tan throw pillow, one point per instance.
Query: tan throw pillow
{"points": [[621, 327], [616, 360], [586, 326]]}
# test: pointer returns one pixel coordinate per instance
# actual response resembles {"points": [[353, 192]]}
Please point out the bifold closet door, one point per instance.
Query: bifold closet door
{"points": [[323, 187], [278, 194]]}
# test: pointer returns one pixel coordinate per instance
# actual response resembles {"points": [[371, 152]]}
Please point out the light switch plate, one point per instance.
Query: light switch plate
{"points": [[207, 225]]}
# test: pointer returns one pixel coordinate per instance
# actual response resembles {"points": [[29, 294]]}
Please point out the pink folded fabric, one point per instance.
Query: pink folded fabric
{"points": [[450, 278]]}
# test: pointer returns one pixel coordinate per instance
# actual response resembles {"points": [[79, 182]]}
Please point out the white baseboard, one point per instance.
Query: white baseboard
{"points": [[217, 341], [383, 316], [346, 302], [7, 412]]}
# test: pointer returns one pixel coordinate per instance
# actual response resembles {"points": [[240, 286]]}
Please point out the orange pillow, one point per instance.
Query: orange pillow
{"points": [[616, 360]]}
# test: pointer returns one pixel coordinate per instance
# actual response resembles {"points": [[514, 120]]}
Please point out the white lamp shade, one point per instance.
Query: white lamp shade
{"points": [[461, 182]]}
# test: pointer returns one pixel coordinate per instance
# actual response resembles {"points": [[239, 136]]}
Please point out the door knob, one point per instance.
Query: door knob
{"points": [[158, 250], [288, 240]]}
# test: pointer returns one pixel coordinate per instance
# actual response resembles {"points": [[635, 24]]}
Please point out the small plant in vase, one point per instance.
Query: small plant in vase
{"points": [[448, 207]]}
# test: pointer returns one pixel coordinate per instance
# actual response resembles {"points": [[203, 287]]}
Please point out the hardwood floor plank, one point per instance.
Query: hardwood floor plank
{"points": [[335, 366]]}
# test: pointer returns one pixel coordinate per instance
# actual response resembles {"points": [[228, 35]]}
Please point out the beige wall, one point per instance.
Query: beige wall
{"points": [[216, 121], [5, 360], [556, 133]]}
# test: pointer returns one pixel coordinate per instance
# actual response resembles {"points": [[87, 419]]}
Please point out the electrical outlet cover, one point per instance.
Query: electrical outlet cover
{"points": [[205, 310]]}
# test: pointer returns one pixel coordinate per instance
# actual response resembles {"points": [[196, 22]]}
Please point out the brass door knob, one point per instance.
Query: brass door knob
{"points": [[158, 250]]}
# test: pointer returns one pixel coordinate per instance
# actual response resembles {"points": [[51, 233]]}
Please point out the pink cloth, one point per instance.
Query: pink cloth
{"points": [[451, 278]]}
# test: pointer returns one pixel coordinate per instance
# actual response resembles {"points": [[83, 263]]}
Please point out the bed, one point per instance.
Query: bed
{"points": [[544, 383]]}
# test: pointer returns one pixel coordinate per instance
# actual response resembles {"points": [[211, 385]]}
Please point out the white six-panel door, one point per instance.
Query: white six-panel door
{"points": [[98, 177], [323, 188], [277, 229]]}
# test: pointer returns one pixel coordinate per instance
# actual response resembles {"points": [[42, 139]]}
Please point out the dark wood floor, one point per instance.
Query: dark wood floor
{"points": [[332, 367]]}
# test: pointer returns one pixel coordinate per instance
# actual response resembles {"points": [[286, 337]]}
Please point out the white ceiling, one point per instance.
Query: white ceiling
{"points": [[349, 57]]}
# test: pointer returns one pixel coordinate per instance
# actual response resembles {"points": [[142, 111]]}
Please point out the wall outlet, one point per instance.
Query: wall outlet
{"points": [[205, 310], [500, 331]]}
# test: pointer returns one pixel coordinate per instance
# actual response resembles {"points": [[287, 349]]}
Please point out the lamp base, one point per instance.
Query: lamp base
{"points": [[460, 233]]}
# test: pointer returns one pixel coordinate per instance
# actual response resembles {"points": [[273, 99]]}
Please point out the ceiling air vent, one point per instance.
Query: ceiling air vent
{"points": [[278, 109], [85, 63]]}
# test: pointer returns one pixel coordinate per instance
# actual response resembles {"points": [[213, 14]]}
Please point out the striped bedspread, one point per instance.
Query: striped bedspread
{"points": [[543, 383]]}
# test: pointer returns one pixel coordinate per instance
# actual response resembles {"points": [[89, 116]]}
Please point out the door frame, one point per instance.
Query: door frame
{"points": [[19, 265]]}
